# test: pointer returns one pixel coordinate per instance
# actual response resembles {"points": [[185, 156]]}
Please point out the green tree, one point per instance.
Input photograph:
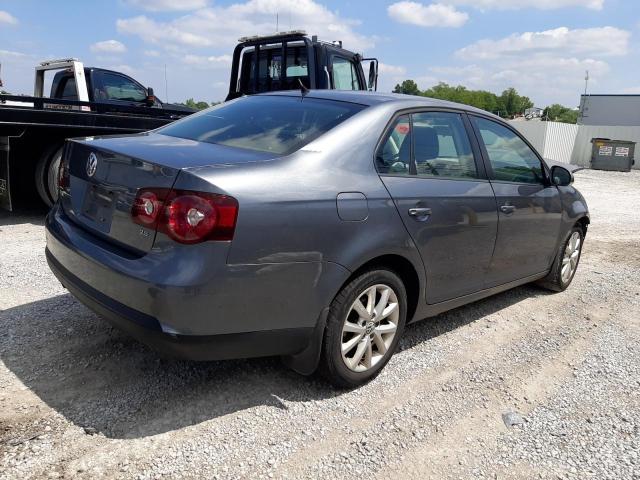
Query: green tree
{"points": [[408, 87], [508, 104], [191, 103], [511, 103], [476, 98], [560, 113]]}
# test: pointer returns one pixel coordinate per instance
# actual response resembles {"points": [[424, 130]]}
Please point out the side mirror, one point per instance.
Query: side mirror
{"points": [[560, 176], [373, 76], [151, 98]]}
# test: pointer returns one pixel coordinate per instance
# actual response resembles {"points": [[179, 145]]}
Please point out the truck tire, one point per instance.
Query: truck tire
{"points": [[47, 175]]}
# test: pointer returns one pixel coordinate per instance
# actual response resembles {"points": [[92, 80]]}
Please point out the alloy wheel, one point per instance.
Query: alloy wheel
{"points": [[370, 327], [571, 256]]}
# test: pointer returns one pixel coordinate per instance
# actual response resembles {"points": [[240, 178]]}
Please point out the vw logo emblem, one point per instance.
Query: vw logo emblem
{"points": [[92, 164]]}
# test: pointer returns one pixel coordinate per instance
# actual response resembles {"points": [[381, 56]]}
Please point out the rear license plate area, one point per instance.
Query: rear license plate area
{"points": [[98, 207]]}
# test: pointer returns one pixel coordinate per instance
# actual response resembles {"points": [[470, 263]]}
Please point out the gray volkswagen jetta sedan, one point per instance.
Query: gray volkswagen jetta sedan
{"points": [[311, 226]]}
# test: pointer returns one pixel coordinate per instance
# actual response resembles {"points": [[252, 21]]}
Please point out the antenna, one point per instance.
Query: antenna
{"points": [[166, 84], [586, 81], [303, 90], [277, 19]]}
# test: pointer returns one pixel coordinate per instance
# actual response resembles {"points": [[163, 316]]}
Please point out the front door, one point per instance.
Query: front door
{"points": [[447, 205], [529, 207]]}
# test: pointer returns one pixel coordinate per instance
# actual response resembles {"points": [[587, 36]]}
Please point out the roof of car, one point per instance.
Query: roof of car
{"points": [[376, 98]]}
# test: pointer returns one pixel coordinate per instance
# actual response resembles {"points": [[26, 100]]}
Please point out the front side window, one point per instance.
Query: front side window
{"points": [[118, 87], [345, 76], [273, 124], [441, 146], [512, 160]]}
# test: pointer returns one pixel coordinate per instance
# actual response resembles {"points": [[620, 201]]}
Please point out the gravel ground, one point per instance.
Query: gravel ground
{"points": [[80, 399]]}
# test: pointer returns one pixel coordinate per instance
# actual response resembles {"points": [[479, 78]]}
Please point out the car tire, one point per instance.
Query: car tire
{"points": [[360, 339], [47, 171], [566, 262]]}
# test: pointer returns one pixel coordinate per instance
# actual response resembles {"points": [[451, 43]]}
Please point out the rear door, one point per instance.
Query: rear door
{"points": [[437, 180], [529, 207]]}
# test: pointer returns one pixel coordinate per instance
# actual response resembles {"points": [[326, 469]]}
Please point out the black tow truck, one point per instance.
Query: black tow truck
{"points": [[292, 60], [83, 102], [92, 101]]}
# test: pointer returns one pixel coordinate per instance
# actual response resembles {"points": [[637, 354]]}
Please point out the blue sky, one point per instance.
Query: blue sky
{"points": [[540, 47]]}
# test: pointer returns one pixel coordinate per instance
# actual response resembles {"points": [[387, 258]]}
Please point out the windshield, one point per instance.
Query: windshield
{"points": [[274, 124]]}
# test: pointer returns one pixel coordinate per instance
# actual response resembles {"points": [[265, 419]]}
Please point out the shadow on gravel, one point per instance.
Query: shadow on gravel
{"points": [[34, 215], [98, 377]]}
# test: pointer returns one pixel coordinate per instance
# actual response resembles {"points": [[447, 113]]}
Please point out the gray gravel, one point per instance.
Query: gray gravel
{"points": [[80, 399]]}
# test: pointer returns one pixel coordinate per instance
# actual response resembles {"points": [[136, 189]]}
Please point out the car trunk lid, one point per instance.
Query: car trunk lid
{"points": [[106, 174]]}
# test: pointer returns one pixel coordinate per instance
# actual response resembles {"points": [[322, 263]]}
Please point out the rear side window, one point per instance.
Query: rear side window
{"points": [[441, 146], [429, 144], [273, 124], [69, 91], [394, 155]]}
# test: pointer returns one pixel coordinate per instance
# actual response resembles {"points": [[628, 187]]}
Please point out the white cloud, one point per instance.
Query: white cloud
{"points": [[108, 46], [385, 68], [10, 53], [208, 62], [6, 17], [434, 15], [222, 26], [152, 53], [632, 90], [520, 4], [547, 66], [157, 33], [545, 79], [598, 42], [129, 70], [167, 5]]}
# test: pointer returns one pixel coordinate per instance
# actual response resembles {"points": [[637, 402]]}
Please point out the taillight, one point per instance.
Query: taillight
{"points": [[146, 208], [186, 216], [63, 175]]}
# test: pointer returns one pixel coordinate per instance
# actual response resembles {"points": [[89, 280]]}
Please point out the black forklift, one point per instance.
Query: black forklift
{"points": [[293, 60]]}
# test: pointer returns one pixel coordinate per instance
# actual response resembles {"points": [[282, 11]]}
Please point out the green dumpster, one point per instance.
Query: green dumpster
{"points": [[616, 155]]}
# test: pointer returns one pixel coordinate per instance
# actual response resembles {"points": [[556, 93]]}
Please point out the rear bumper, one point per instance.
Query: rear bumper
{"points": [[202, 308], [147, 329]]}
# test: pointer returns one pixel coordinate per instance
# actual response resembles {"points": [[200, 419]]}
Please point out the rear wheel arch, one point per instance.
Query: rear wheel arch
{"points": [[306, 362], [402, 267]]}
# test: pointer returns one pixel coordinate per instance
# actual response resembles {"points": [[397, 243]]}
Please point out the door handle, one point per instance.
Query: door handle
{"points": [[420, 213], [507, 209]]}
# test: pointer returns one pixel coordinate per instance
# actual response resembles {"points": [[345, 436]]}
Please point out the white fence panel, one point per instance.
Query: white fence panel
{"points": [[559, 141], [534, 131]]}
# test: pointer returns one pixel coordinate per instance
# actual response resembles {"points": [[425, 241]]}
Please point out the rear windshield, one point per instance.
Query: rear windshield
{"points": [[273, 124]]}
